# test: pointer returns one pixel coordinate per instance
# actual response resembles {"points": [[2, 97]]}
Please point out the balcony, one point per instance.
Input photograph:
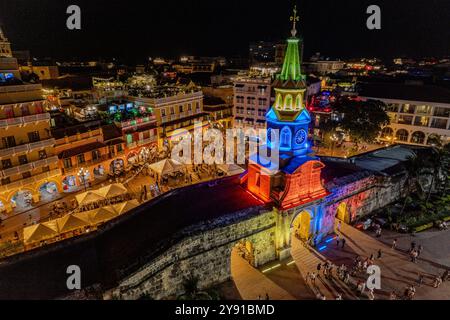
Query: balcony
{"points": [[28, 181], [20, 121], [28, 147], [28, 167]]}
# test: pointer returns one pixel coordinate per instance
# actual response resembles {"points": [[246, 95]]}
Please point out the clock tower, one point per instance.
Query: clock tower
{"points": [[289, 115]]}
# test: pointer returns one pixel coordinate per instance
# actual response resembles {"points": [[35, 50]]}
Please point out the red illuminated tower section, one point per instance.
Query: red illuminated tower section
{"points": [[295, 178]]}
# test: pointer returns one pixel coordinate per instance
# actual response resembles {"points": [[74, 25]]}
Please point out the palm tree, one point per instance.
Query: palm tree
{"points": [[434, 162], [412, 166]]}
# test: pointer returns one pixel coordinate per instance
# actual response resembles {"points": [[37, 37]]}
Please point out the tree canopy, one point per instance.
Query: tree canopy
{"points": [[362, 120]]}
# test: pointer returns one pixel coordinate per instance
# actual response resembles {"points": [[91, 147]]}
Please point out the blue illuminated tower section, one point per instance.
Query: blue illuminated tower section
{"points": [[289, 114]]}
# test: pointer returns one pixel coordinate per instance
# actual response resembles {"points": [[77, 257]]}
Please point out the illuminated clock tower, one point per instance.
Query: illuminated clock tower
{"points": [[296, 179], [289, 114]]}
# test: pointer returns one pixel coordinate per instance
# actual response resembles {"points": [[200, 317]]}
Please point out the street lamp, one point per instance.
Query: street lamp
{"points": [[82, 173]]}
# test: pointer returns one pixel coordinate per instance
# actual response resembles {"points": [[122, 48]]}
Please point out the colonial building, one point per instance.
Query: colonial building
{"points": [[29, 165], [419, 114], [251, 101], [219, 113], [86, 153], [174, 108]]}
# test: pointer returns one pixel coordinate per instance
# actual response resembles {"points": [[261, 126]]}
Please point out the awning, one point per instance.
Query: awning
{"points": [[102, 214], [70, 222], [112, 190], [126, 206], [89, 197], [166, 166], [39, 232]]}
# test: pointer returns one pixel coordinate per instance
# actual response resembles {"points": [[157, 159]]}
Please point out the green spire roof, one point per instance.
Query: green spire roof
{"points": [[291, 66]]}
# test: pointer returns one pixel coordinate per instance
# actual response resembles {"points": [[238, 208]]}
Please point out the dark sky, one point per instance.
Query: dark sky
{"points": [[138, 29]]}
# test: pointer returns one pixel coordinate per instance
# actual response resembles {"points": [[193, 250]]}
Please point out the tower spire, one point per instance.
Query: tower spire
{"points": [[294, 18]]}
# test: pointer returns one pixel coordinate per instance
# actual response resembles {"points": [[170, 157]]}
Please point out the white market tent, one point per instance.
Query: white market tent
{"points": [[40, 232], [102, 214], [70, 222], [166, 166], [126, 206], [89, 197], [112, 190], [230, 169]]}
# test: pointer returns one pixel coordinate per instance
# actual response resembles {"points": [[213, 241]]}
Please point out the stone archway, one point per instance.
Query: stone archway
{"points": [[301, 226], [342, 213]]}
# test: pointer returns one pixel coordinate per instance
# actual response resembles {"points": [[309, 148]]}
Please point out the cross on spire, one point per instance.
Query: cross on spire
{"points": [[294, 18]]}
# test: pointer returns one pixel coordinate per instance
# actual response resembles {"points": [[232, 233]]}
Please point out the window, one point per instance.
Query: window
{"points": [[80, 158], [402, 135], [9, 142], [6, 181], [423, 109], [285, 138], [422, 121], [6, 163], [439, 123], [42, 154], [95, 155], [67, 163], [181, 109], [33, 136], [172, 110], [23, 159], [442, 112], [404, 119], [163, 112], [26, 175], [407, 108], [25, 110], [46, 169], [189, 107], [119, 147]]}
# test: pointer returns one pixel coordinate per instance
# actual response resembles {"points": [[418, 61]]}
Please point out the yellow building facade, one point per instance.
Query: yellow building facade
{"points": [[28, 163]]}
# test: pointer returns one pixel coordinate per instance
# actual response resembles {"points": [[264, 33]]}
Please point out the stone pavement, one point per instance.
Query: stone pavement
{"points": [[397, 271], [251, 282]]}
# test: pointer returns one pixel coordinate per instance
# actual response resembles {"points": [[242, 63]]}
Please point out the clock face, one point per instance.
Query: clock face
{"points": [[300, 136]]}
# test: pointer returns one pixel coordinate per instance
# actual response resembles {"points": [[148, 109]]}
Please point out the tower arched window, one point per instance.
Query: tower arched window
{"points": [[279, 102], [298, 102], [285, 138], [288, 102]]}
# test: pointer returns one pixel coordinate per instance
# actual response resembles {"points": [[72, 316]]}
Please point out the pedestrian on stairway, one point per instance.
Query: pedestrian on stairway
{"points": [[343, 242], [319, 266]]}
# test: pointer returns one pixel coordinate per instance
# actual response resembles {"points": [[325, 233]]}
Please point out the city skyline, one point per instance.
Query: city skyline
{"points": [[133, 33]]}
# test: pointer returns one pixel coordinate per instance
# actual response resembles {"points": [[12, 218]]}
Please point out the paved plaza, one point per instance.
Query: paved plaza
{"points": [[288, 280]]}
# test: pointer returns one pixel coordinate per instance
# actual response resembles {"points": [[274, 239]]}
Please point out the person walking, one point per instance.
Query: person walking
{"points": [[343, 242], [267, 296], [319, 266], [420, 280], [419, 250], [313, 278], [437, 282], [379, 254], [394, 244]]}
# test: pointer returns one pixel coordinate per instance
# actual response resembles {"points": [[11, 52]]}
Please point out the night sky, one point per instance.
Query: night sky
{"points": [[134, 30]]}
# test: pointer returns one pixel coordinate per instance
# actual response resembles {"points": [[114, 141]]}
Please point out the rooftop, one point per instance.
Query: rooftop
{"points": [[408, 92]]}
